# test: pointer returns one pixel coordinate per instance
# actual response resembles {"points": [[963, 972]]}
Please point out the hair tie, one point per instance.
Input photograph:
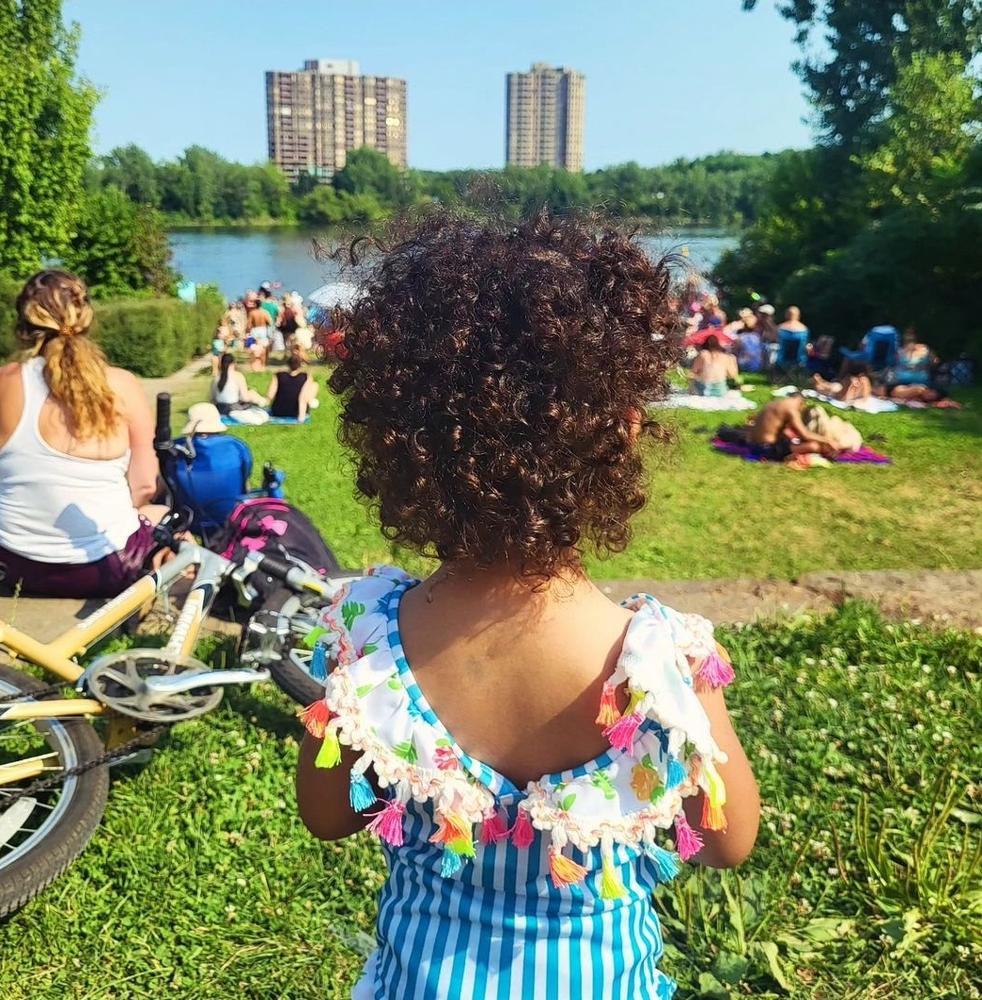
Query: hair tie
{"points": [[65, 331]]}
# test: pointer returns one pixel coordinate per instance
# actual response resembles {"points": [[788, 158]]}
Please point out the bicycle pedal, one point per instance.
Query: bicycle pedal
{"points": [[137, 757]]}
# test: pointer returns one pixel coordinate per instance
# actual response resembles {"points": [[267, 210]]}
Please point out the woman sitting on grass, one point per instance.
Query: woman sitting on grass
{"points": [[77, 465], [711, 369], [230, 391], [534, 758], [293, 392]]}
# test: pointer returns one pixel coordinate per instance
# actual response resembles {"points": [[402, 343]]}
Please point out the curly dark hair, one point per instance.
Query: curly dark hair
{"points": [[494, 383]]}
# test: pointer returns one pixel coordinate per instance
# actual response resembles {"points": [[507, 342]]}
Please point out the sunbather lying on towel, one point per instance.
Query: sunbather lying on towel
{"points": [[855, 384]]}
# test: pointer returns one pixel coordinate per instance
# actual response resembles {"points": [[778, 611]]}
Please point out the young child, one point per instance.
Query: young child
{"points": [[534, 758]]}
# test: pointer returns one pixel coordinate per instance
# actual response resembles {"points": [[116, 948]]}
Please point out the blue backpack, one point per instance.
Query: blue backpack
{"points": [[211, 478]]}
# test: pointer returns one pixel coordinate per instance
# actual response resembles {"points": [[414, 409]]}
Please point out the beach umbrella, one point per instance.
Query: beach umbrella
{"points": [[700, 337], [334, 293]]}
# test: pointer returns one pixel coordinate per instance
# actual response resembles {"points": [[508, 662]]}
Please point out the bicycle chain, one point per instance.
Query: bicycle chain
{"points": [[144, 739]]}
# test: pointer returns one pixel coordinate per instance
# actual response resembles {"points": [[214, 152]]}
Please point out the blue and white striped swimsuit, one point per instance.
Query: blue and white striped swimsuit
{"points": [[497, 892]]}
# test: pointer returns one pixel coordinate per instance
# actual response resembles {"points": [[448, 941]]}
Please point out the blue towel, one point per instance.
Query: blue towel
{"points": [[230, 421]]}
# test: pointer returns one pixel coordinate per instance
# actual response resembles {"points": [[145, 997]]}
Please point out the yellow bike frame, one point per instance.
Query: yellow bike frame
{"points": [[57, 656]]}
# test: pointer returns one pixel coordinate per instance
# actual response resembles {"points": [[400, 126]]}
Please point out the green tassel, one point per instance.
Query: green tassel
{"points": [[611, 886], [329, 754]]}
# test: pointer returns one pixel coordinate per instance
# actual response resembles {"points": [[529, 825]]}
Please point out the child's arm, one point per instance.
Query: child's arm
{"points": [[727, 848], [322, 794]]}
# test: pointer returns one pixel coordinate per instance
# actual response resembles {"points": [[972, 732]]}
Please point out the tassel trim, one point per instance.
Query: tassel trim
{"points": [[715, 672], [687, 842], [493, 828], [522, 833], [563, 870], [329, 754], [361, 795], [666, 863], [611, 884], [609, 712], [387, 824], [622, 733], [315, 718]]}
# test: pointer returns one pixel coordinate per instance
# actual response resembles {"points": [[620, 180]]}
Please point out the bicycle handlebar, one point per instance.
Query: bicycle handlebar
{"points": [[162, 436]]}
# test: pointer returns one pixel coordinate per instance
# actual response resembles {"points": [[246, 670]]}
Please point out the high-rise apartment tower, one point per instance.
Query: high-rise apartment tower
{"points": [[544, 117], [315, 115]]}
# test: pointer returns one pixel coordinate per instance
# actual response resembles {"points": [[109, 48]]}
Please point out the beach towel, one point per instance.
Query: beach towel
{"points": [[871, 404], [230, 421], [864, 456], [733, 400]]}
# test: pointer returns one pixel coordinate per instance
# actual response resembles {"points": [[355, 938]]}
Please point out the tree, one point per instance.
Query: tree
{"points": [[119, 247], [928, 136], [131, 170], [367, 171], [45, 117], [864, 44]]}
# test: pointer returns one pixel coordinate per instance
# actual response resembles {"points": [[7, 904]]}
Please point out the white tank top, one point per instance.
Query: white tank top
{"points": [[228, 396], [57, 508]]}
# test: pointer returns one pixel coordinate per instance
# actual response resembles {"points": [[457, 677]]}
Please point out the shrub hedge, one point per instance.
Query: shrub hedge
{"points": [[151, 337]]}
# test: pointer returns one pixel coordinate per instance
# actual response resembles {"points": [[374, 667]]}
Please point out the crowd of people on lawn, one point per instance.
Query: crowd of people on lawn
{"points": [[262, 325], [721, 351]]}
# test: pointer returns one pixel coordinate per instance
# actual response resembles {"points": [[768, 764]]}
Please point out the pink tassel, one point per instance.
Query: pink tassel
{"points": [[315, 718], [493, 828], [687, 841], [387, 824], [715, 672], [522, 833], [621, 733], [608, 713]]}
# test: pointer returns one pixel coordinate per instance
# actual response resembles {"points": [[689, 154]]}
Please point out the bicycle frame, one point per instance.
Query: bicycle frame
{"points": [[57, 656]]}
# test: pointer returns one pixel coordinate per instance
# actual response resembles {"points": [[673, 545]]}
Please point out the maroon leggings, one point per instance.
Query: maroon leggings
{"points": [[105, 577]]}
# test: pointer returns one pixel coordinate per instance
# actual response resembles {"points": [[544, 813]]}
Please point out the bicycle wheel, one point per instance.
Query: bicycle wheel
{"points": [[291, 669], [41, 835]]}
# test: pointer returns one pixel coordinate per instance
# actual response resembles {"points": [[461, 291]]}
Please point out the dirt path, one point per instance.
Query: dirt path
{"points": [[930, 596]]}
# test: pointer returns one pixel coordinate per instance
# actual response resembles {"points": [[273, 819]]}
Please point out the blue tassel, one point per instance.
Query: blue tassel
{"points": [[451, 863], [360, 793], [318, 662], [666, 863], [676, 773]]}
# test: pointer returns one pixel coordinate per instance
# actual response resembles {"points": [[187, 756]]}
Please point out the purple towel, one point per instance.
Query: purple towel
{"points": [[865, 455]]}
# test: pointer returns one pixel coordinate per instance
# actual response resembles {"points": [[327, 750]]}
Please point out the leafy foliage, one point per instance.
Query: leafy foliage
{"points": [[45, 115], [881, 222], [866, 45], [119, 247], [202, 187]]}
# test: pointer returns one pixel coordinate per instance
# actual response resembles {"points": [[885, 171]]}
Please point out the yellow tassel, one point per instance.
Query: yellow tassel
{"points": [[611, 886], [329, 754]]}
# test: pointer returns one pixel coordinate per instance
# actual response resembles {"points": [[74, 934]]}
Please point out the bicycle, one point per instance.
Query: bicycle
{"points": [[54, 765]]}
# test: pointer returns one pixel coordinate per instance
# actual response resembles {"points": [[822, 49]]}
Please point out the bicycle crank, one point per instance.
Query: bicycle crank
{"points": [[148, 685]]}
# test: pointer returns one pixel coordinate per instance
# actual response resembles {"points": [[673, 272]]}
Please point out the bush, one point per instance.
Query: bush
{"points": [[917, 267], [153, 337], [148, 336]]}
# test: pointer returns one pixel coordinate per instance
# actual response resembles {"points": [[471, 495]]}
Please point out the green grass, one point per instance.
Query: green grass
{"points": [[712, 516], [201, 882]]}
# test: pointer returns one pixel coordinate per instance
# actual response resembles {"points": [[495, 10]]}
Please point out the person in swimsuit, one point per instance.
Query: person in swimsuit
{"points": [[77, 465], [854, 385], [230, 391], [711, 369], [534, 758]]}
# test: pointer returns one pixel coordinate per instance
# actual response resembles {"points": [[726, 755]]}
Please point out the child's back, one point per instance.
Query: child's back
{"points": [[520, 744]]}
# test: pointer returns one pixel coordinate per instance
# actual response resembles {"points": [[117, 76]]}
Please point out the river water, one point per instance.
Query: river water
{"points": [[237, 259]]}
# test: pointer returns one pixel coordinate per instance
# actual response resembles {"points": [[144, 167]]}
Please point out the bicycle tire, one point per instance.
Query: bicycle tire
{"points": [[291, 679], [36, 865]]}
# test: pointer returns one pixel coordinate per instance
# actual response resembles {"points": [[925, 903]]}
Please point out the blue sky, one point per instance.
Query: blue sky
{"points": [[665, 78]]}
